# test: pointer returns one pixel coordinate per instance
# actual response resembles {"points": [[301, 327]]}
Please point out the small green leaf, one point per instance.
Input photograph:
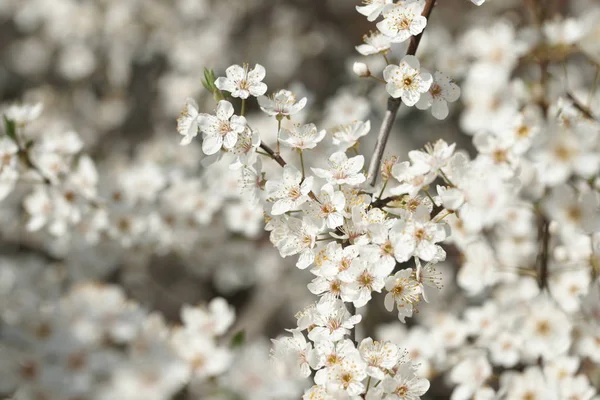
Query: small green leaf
{"points": [[238, 339], [11, 128]]}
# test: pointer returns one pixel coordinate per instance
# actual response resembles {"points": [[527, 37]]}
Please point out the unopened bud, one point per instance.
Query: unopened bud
{"points": [[361, 69]]}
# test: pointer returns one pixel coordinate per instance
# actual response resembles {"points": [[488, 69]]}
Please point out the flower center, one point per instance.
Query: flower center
{"points": [[574, 213], [387, 248], [224, 128], [344, 264], [543, 328], [523, 131], [403, 24], [366, 280], [346, 379], [294, 193], [333, 324], [420, 234], [499, 156], [401, 391], [327, 209], [335, 287], [562, 153], [436, 90]]}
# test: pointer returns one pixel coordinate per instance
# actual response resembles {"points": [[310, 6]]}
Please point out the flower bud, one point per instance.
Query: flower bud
{"points": [[361, 69]]}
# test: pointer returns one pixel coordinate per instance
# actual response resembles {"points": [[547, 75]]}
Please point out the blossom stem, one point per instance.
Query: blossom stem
{"points": [[387, 61], [430, 198], [278, 130], [383, 189], [446, 179], [378, 79], [447, 212], [264, 154], [392, 108], [302, 164]]}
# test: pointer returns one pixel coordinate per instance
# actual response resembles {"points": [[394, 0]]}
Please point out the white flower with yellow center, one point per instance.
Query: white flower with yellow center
{"points": [[405, 385], [441, 92], [403, 20], [404, 291], [222, 129], [282, 103], [342, 170], [407, 80], [243, 83], [375, 43], [380, 357], [302, 137], [290, 192], [332, 321]]}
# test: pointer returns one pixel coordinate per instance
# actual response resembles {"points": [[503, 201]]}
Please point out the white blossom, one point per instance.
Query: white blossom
{"points": [[282, 103], [302, 137], [343, 170], [242, 83], [407, 81], [403, 20], [222, 129], [289, 193], [441, 92]]}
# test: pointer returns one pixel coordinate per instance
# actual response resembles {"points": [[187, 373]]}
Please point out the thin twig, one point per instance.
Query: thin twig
{"points": [[275, 156], [384, 133], [544, 237], [584, 110], [392, 108]]}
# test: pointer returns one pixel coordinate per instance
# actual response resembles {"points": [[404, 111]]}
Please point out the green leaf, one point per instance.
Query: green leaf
{"points": [[11, 128], [238, 339]]}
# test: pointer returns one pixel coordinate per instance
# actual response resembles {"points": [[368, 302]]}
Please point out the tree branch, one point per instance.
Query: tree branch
{"points": [[544, 238], [583, 109], [274, 156], [392, 108]]}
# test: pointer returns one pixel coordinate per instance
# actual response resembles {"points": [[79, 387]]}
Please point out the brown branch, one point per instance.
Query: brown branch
{"points": [[544, 237], [392, 108], [275, 156], [380, 203], [584, 110]]}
